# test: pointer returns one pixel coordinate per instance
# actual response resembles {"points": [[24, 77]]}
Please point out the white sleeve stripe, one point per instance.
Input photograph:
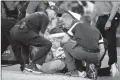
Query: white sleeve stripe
{"points": [[70, 30], [101, 40]]}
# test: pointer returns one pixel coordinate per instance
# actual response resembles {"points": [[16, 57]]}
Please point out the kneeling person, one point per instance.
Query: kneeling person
{"points": [[88, 46], [26, 32]]}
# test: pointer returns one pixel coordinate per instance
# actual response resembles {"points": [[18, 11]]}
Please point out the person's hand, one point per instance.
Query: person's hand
{"points": [[49, 37], [93, 24], [107, 25]]}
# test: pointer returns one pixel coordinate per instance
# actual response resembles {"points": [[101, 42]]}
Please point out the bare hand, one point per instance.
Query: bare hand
{"points": [[107, 25]]}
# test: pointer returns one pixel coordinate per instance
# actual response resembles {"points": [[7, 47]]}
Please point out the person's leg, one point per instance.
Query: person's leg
{"points": [[41, 54], [6, 25], [78, 53], [112, 51], [4, 43], [18, 51], [53, 66], [79, 65], [29, 37], [32, 38], [70, 62], [43, 49], [43, 45], [92, 60], [25, 53], [111, 38]]}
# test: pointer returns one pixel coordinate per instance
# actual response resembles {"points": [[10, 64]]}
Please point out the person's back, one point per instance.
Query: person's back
{"points": [[36, 21], [87, 36]]}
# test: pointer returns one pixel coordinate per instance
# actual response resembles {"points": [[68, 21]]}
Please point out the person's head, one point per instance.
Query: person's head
{"points": [[85, 19], [51, 14], [43, 5], [67, 20]]}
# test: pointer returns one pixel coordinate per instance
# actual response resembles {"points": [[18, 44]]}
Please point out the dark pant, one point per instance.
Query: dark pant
{"points": [[6, 25], [78, 53], [25, 37], [109, 35]]}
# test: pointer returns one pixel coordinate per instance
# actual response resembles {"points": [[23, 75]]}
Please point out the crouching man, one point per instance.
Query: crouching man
{"points": [[30, 31], [88, 47]]}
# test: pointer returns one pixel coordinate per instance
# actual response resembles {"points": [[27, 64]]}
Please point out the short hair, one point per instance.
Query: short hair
{"points": [[86, 18], [66, 15]]}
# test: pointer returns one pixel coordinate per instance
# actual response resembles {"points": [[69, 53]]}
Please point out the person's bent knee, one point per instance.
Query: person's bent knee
{"points": [[53, 66], [49, 44]]}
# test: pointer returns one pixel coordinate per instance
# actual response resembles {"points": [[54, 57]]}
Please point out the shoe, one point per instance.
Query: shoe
{"points": [[82, 74], [22, 67], [32, 68], [91, 71], [76, 73], [115, 70]]}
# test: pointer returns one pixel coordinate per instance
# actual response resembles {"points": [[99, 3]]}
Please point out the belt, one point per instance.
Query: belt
{"points": [[91, 51], [87, 50], [107, 15]]}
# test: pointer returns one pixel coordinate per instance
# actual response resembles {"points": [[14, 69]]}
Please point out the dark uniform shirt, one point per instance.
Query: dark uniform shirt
{"points": [[86, 36], [36, 22]]}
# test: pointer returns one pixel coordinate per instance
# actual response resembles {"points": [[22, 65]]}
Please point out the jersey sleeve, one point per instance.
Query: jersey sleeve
{"points": [[101, 40], [32, 7], [44, 25], [71, 31]]}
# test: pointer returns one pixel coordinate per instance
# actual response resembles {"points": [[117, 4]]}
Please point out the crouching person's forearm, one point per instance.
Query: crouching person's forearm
{"points": [[65, 39]]}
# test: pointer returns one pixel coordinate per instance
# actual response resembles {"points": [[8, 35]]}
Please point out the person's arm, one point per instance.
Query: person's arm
{"points": [[31, 7], [41, 34], [114, 10], [27, 14], [93, 17], [65, 39], [70, 33], [3, 12], [44, 26], [112, 14], [56, 35], [16, 3]]}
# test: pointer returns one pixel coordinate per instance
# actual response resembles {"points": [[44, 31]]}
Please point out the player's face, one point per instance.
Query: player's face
{"points": [[51, 14], [66, 21]]}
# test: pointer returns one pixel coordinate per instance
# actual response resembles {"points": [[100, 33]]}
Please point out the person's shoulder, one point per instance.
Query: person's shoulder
{"points": [[42, 16], [38, 14], [79, 23], [84, 24], [33, 16], [76, 25], [34, 3], [95, 29]]}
